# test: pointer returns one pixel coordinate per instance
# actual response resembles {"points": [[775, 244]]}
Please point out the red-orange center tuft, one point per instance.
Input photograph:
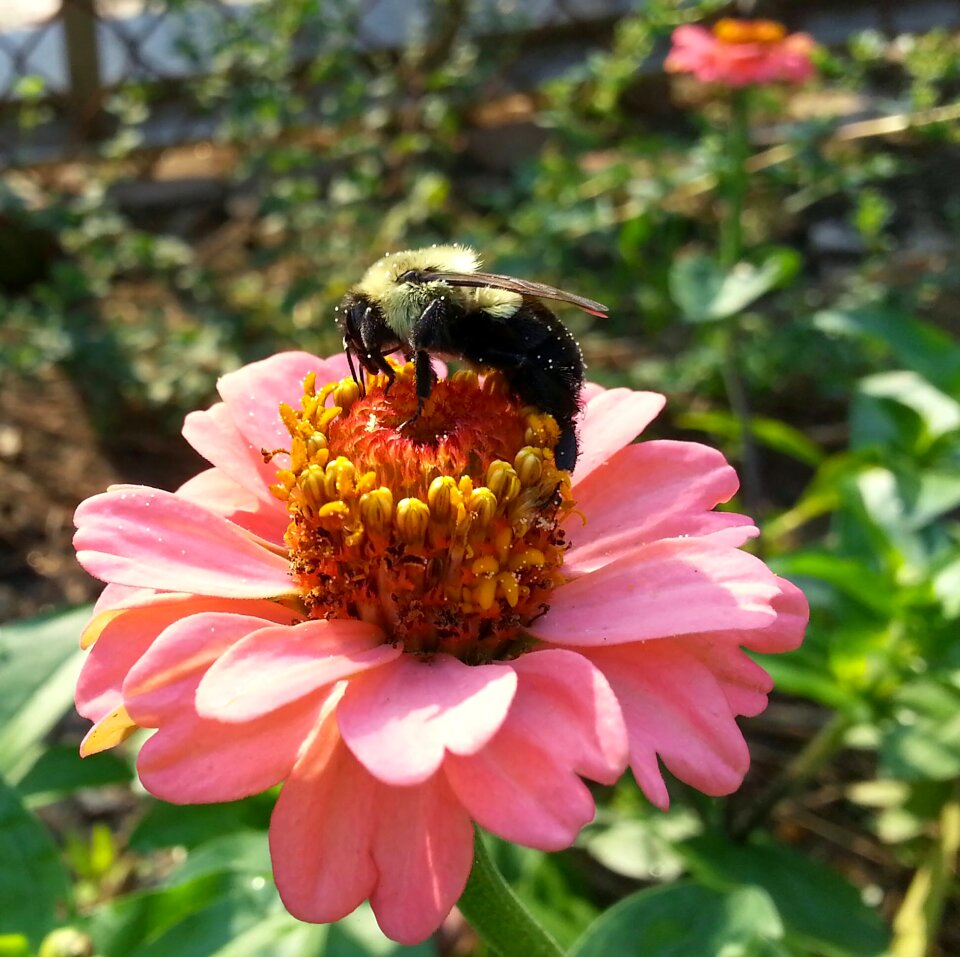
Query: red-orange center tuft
{"points": [[443, 528]]}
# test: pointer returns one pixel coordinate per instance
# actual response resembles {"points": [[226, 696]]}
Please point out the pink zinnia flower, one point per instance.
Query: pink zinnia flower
{"points": [[417, 629], [739, 53]]}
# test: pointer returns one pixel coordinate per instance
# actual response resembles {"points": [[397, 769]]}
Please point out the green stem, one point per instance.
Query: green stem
{"points": [[815, 754], [495, 912], [735, 180], [917, 921], [731, 252]]}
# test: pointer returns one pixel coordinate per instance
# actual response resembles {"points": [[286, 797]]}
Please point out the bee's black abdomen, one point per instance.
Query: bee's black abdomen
{"points": [[537, 355]]}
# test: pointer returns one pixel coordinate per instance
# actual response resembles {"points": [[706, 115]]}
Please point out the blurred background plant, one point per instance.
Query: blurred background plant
{"points": [[196, 184]]}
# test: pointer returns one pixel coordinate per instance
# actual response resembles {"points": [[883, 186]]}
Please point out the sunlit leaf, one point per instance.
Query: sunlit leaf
{"points": [[641, 846], [901, 408], [874, 590], [924, 741], [39, 663], [773, 433], [706, 292], [14, 945]]}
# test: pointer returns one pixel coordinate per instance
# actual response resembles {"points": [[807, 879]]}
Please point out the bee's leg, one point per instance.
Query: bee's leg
{"points": [[423, 336], [423, 377], [373, 333], [359, 379]]}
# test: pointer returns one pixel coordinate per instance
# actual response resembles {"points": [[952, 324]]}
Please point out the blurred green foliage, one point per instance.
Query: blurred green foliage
{"points": [[846, 309]]}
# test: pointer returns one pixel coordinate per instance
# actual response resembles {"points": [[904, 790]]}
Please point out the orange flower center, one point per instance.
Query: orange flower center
{"points": [[738, 32], [444, 530]]}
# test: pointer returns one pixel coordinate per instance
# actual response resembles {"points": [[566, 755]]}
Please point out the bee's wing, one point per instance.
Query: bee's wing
{"points": [[523, 287]]}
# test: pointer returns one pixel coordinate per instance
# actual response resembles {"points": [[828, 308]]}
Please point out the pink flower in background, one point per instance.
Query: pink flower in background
{"points": [[418, 630], [740, 53]]}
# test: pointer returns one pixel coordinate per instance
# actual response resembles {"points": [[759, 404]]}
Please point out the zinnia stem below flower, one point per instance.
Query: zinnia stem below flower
{"points": [[731, 252], [498, 916]]}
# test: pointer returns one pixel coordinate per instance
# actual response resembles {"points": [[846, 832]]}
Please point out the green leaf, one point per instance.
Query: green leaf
{"points": [[873, 590], [641, 846], [924, 741], [686, 920], [705, 292], [946, 586], [901, 408], [39, 663], [772, 433], [916, 344], [245, 852], [820, 910], [168, 825], [60, 770], [232, 915], [34, 885], [121, 925]]}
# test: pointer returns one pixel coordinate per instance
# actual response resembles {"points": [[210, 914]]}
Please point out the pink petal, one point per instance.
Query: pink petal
{"points": [[221, 495], [786, 633], [322, 830], [675, 707], [214, 434], [271, 667], [400, 720], [162, 684], [521, 792], [253, 394], [564, 720], [423, 851], [744, 683], [610, 421], [564, 705], [192, 760], [652, 490], [143, 536], [121, 596], [126, 635], [590, 391], [119, 646], [673, 587]]}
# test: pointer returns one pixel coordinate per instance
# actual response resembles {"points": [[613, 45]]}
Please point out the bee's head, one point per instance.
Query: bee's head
{"points": [[350, 316]]}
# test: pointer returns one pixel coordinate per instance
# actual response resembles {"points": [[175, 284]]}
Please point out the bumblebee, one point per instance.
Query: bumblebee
{"points": [[436, 302]]}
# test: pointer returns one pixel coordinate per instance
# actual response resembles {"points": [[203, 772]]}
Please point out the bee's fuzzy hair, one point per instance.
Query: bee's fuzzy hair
{"points": [[441, 258]]}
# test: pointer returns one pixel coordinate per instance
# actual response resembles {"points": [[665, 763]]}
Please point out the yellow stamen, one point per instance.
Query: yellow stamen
{"points": [[413, 516], [487, 565], [376, 510]]}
